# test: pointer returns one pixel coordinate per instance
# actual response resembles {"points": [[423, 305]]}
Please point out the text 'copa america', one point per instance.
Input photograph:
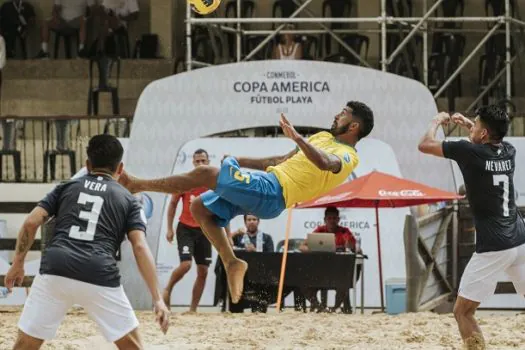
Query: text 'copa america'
{"points": [[278, 90]]}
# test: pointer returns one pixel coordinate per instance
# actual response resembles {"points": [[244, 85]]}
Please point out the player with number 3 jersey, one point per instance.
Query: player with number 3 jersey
{"points": [[487, 164], [92, 214]]}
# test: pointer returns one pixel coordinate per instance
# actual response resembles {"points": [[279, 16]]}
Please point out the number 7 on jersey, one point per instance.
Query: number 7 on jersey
{"points": [[503, 179], [90, 216]]}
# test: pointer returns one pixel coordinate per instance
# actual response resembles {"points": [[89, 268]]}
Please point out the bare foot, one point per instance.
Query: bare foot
{"points": [[166, 296], [235, 272], [189, 312]]}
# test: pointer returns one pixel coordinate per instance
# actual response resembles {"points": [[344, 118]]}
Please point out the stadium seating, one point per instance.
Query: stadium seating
{"points": [[337, 9]]}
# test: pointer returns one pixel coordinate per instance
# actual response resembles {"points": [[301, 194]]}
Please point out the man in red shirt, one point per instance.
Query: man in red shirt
{"points": [[343, 239], [192, 243]]}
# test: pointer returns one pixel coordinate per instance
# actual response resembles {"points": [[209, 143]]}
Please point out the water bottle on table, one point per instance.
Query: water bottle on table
{"points": [[357, 242]]}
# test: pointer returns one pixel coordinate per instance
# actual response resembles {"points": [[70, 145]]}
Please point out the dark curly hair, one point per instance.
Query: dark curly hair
{"points": [[496, 120], [105, 152], [365, 115]]}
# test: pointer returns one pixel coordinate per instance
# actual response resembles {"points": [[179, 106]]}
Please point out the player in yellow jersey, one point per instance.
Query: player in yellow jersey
{"points": [[316, 166]]}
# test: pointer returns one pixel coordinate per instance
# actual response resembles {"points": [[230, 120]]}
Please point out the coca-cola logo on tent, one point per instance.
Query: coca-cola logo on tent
{"points": [[402, 193]]}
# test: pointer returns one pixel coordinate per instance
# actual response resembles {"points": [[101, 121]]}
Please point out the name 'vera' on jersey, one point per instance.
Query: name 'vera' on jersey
{"points": [[93, 214], [488, 172]]}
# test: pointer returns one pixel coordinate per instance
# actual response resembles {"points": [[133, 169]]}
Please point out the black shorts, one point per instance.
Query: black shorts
{"points": [[193, 243]]}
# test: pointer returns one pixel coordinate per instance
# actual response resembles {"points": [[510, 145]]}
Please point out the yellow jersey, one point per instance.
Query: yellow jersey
{"points": [[301, 180]]}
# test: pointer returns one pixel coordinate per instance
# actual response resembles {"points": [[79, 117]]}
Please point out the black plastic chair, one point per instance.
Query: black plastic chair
{"points": [[491, 63], [447, 53], [283, 9], [337, 9], [265, 53], [9, 149], [50, 158], [311, 47], [105, 66], [247, 11], [451, 8], [498, 7], [62, 149], [340, 58], [357, 42]]}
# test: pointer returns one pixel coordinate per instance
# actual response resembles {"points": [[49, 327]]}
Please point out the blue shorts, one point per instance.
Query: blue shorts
{"points": [[241, 192]]}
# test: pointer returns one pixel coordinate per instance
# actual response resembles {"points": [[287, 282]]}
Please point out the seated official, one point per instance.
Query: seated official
{"points": [[344, 241], [251, 238]]}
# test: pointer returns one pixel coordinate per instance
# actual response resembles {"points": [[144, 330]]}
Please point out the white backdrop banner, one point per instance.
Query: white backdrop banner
{"points": [[504, 300], [304, 220]]}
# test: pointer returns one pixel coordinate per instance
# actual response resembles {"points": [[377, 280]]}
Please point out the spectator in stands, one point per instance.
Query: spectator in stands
{"points": [[251, 238], [67, 16], [115, 17], [16, 17], [288, 48], [344, 240]]}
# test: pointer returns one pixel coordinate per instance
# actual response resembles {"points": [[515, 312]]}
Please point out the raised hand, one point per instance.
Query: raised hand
{"points": [[288, 129], [442, 118], [460, 119]]}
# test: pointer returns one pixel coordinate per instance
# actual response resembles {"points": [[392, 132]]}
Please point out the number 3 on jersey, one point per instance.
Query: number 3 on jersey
{"points": [[90, 216], [503, 179]]}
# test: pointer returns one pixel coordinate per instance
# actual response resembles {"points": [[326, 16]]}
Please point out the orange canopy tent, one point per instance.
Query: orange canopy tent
{"points": [[379, 190]]}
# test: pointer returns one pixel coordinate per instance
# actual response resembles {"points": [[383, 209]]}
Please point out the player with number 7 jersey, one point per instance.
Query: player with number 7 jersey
{"points": [[487, 164]]}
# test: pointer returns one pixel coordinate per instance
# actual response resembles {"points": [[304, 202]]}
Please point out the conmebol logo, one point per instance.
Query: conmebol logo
{"points": [[402, 193]]}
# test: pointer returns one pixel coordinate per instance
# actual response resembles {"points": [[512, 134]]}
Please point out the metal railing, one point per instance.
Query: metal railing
{"points": [[42, 149], [415, 24]]}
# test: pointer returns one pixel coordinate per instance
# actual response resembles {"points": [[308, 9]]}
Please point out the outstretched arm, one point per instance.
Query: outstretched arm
{"points": [[321, 159], [263, 163], [429, 144]]}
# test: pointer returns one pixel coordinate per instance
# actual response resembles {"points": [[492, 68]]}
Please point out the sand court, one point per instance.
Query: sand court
{"points": [[288, 330]]}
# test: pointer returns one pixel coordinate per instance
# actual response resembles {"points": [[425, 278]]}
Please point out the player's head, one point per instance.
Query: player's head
{"points": [[331, 216], [104, 153], [251, 222], [356, 119], [490, 126], [200, 157]]}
